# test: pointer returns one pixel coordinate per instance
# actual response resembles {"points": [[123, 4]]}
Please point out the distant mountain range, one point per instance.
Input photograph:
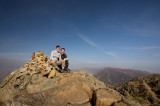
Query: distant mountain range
{"points": [[115, 76]]}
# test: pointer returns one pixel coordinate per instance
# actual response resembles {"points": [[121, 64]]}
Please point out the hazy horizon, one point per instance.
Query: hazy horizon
{"points": [[96, 34]]}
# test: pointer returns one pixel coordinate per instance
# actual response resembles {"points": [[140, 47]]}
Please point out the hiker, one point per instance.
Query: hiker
{"points": [[65, 58], [55, 59]]}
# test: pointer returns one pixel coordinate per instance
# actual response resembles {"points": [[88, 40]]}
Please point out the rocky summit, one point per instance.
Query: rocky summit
{"points": [[30, 86]]}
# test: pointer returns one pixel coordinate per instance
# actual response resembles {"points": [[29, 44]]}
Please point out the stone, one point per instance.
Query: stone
{"points": [[103, 97]]}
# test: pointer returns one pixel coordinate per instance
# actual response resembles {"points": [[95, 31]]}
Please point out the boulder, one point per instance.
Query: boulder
{"points": [[106, 97]]}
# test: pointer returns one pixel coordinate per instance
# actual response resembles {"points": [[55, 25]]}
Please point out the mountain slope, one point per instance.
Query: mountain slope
{"points": [[115, 76], [8, 65], [145, 90], [29, 86]]}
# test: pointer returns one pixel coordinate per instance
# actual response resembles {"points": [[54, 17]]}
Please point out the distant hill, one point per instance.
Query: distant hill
{"points": [[88, 70], [145, 90], [115, 76]]}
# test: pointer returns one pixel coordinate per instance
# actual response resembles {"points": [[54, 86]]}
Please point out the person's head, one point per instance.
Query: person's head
{"points": [[62, 50], [57, 48]]}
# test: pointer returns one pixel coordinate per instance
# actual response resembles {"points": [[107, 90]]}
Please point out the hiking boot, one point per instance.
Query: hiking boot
{"points": [[68, 70]]}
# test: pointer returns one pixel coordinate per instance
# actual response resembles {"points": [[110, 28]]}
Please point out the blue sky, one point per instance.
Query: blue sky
{"points": [[95, 33]]}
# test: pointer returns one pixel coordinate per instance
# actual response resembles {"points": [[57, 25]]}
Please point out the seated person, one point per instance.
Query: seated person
{"points": [[65, 58], [55, 59]]}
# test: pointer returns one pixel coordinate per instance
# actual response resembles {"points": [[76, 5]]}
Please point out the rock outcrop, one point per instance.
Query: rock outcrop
{"points": [[30, 86], [145, 90]]}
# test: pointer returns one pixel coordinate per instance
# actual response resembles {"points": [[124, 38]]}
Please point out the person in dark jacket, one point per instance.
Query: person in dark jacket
{"points": [[65, 58]]}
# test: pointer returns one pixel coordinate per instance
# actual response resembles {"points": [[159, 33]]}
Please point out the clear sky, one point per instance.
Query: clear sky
{"points": [[95, 33]]}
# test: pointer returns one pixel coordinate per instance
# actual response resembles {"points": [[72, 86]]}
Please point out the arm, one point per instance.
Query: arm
{"points": [[66, 58], [60, 57], [52, 55]]}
